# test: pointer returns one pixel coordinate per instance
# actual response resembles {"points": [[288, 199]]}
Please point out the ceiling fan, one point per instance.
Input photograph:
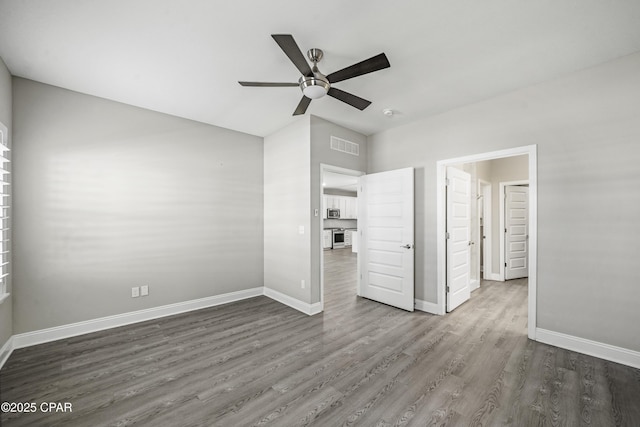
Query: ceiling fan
{"points": [[313, 83]]}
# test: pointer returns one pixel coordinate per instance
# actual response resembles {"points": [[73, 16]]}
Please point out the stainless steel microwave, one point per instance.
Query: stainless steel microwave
{"points": [[333, 213]]}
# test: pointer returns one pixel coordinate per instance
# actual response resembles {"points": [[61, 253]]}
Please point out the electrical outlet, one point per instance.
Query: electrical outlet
{"points": [[301, 229], [302, 283], [144, 290], [135, 292]]}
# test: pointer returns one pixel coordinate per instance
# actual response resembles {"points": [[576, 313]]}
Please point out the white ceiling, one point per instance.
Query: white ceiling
{"points": [[184, 58]]}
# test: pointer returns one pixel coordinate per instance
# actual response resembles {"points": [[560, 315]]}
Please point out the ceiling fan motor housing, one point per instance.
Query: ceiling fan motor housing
{"points": [[318, 85]]}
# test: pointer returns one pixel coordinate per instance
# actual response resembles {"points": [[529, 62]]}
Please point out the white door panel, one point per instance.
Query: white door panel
{"points": [[458, 240], [516, 205], [385, 221]]}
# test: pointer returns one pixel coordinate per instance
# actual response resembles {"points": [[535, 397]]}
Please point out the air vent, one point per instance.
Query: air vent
{"points": [[345, 146]]}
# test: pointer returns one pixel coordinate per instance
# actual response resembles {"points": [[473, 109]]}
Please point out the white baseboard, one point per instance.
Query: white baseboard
{"points": [[427, 306], [474, 284], [301, 306], [6, 351], [66, 331], [94, 325], [592, 348]]}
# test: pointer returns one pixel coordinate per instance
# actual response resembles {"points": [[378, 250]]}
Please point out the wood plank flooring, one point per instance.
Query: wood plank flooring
{"points": [[257, 362]]}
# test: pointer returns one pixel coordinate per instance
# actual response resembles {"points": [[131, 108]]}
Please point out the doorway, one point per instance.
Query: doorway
{"points": [[514, 229], [338, 226], [531, 158], [485, 228]]}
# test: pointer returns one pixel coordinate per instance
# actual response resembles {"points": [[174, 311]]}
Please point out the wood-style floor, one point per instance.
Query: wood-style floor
{"points": [[258, 362]]}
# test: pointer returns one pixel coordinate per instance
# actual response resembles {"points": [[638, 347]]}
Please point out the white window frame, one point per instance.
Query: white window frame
{"points": [[5, 208]]}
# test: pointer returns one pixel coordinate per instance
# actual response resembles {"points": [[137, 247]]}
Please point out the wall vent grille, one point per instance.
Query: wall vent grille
{"points": [[345, 146]]}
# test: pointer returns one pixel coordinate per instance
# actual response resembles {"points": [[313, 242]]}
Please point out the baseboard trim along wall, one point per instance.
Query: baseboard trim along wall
{"points": [[557, 339], [592, 348], [304, 307], [6, 351], [427, 306], [66, 331]]}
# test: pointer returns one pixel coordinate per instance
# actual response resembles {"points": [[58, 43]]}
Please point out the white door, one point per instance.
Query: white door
{"points": [[385, 224], [516, 206], [458, 237]]}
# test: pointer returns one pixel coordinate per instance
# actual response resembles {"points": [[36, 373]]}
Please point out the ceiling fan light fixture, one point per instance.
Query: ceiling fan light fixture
{"points": [[313, 87]]}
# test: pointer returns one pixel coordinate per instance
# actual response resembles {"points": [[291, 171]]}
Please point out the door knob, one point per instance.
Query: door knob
{"points": [[407, 246]]}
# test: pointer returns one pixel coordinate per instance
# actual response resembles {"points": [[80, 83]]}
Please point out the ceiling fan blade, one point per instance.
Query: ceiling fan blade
{"points": [[370, 65], [291, 49], [302, 106], [268, 84], [354, 101]]}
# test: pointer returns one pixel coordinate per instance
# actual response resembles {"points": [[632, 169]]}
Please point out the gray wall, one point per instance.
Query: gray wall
{"points": [[321, 153], [110, 196], [292, 158], [6, 320], [587, 127], [286, 207]]}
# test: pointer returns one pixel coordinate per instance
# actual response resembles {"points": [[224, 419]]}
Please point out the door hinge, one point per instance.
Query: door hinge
{"points": [[446, 181], [447, 289], [505, 264], [447, 235]]}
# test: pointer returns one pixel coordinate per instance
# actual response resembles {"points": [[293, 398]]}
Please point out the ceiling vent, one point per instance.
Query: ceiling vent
{"points": [[345, 146]]}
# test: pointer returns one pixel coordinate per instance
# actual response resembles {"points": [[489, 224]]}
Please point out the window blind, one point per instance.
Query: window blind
{"points": [[5, 199]]}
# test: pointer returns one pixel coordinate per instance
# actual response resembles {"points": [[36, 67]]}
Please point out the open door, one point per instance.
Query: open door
{"points": [[458, 231], [385, 224], [516, 226]]}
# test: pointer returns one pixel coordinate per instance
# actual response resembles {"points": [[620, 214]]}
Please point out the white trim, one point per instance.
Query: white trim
{"points": [[6, 351], [301, 306], [501, 202], [531, 151], [427, 306], [485, 189], [592, 348], [94, 325], [495, 277], [66, 331], [474, 284]]}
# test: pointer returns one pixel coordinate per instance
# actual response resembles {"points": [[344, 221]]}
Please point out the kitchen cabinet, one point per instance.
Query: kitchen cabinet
{"points": [[327, 239], [351, 207], [347, 237], [348, 206], [324, 207]]}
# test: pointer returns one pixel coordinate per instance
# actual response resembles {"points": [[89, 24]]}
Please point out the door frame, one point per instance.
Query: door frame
{"points": [[502, 185], [485, 188], [441, 165], [334, 169]]}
